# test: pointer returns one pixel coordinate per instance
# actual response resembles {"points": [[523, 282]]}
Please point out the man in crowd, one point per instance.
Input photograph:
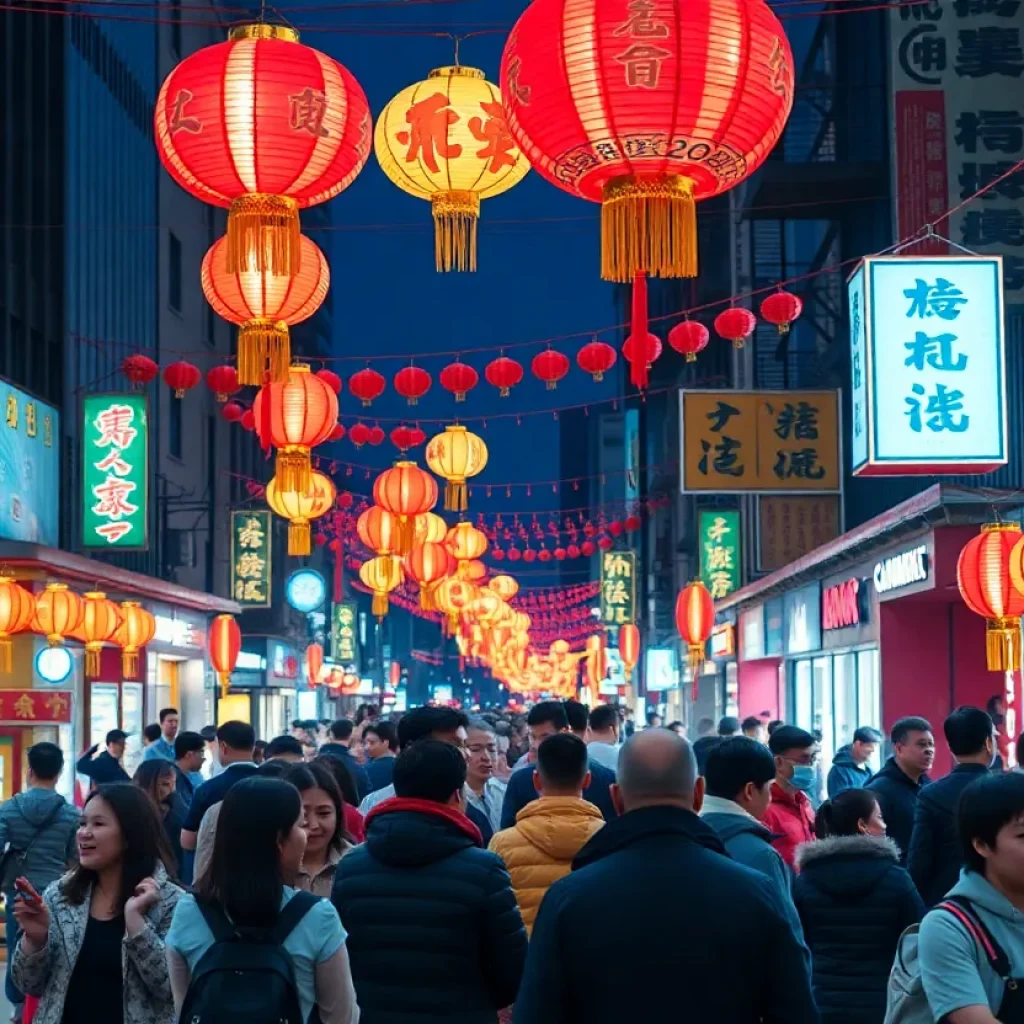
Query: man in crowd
{"points": [[728, 725], [654, 720], [753, 729], [546, 719], [677, 872], [549, 832], [164, 747], [484, 791], [899, 783], [380, 740], [285, 748], [434, 933], [790, 814], [150, 735], [106, 765], [603, 744], [706, 740], [739, 779], [342, 734], [39, 829], [936, 856], [850, 766], [189, 755]]}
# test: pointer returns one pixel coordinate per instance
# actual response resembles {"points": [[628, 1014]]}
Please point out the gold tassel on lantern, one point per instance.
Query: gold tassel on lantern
{"points": [[648, 225], [1002, 644], [380, 603], [263, 235], [263, 345], [455, 219], [130, 664], [298, 537], [293, 471], [695, 660], [92, 660], [455, 496]]}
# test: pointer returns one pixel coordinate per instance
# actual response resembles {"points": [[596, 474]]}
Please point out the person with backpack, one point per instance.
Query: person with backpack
{"points": [[248, 947]]}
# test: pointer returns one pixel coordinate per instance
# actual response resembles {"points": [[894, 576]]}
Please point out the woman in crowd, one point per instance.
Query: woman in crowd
{"points": [[350, 797], [854, 902], [92, 947], [326, 839], [260, 827], [159, 780]]}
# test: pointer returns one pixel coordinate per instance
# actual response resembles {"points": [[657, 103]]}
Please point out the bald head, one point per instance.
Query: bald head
{"points": [[657, 766]]}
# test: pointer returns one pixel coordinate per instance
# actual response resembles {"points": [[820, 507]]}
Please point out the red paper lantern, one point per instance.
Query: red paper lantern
{"points": [[544, 555], [314, 664], [514, 554], [735, 324], [458, 378], [366, 385], [573, 551], [650, 351], [248, 420], [596, 358], [781, 308], [378, 529], [605, 543], [359, 434], [401, 439], [330, 378], [695, 618], [629, 647], [615, 528], [232, 412], [632, 524], [225, 643], [417, 437], [182, 377], [985, 574], [504, 374], [406, 491], [337, 432], [222, 381], [550, 366], [529, 555], [139, 369], [265, 126], [412, 383], [560, 554], [646, 107], [426, 564], [689, 338], [589, 548], [376, 435]]}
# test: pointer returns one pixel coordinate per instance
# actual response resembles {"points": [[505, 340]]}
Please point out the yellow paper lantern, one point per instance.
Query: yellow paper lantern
{"points": [[466, 542], [452, 596], [455, 456], [300, 508], [446, 139], [473, 570], [381, 575], [430, 528], [505, 587]]}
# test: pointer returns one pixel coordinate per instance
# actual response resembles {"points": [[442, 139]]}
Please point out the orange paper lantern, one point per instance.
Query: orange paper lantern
{"points": [[629, 648], [58, 612], [378, 529], [695, 618], [137, 628], [17, 608], [426, 564], [466, 542], [225, 644], [101, 620], [314, 664], [405, 491]]}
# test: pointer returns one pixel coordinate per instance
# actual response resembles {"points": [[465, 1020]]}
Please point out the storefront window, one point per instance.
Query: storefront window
{"points": [[844, 671], [802, 696], [103, 712], [133, 722], [869, 695], [823, 720], [732, 689]]}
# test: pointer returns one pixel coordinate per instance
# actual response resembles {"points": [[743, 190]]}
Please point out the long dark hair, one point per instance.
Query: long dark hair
{"points": [[143, 836], [841, 816], [147, 777], [342, 776], [316, 776], [244, 877]]}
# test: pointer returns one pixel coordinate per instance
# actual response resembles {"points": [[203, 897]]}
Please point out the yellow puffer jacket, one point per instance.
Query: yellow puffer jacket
{"points": [[538, 850]]}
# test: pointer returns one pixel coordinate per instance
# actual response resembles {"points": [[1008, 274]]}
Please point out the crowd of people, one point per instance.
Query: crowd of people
{"points": [[437, 867]]}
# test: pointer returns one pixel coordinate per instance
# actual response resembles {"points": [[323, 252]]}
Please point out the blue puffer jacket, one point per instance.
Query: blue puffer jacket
{"points": [[846, 773], [854, 901], [434, 933], [897, 795]]}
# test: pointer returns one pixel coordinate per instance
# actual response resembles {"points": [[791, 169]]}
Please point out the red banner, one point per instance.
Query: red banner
{"points": [[34, 707], [921, 175]]}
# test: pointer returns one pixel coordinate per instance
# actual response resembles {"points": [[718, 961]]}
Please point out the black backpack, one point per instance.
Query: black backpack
{"points": [[246, 977]]}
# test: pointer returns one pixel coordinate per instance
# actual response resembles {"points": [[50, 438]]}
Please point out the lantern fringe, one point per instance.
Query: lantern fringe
{"points": [[263, 345], [455, 496], [225, 683], [130, 664], [293, 471], [298, 538], [263, 235], [5, 655], [427, 598], [92, 661], [648, 225], [784, 328], [380, 603], [691, 357], [455, 219], [1002, 645], [695, 661]]}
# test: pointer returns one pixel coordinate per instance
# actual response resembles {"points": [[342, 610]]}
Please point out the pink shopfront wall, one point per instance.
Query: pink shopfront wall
{"points": [[760, 688]]}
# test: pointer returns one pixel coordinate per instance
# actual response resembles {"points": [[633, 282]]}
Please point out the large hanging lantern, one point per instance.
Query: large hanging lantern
{"points": [[505, 587], [629, 648], [446, 140], [294, 417], [695, 618], [647, 107], [406, 491], [379, 530], [225, 645], [455, 456], [474, 570], [101, 620], [314, 664], [264, 304], [265, 127], [300, 508], [17, 609], [985, 575], [381, 575], [137, 628], [452, 596], [429, 528], [58, 613], [426, 564], [466, 542]]}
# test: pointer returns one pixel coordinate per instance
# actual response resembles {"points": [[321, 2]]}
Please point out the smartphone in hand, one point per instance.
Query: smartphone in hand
{"points": [[27, 891]]}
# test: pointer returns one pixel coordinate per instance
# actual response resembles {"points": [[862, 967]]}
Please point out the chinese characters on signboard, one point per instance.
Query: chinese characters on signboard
{"points": [[760, 440], [618, 587], [29, 468], [115, 471], [956, 66], [250, 558], [720, 550], [23, 706], [928, 364], [789, 528], [344, 635]]}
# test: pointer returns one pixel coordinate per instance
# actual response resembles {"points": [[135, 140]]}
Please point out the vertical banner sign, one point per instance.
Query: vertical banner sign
{"points": [[618, 587], [791, 527], [928, 364], [344, 639], [115, 471], [251, 558], [956, 66], [720, 550]]}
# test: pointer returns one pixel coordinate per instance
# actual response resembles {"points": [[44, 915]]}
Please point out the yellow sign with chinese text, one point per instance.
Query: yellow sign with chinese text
{"points": [[618, 588], [760, 441]]}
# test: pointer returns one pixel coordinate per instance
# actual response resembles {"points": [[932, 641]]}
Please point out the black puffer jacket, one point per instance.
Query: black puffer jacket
{"points": [[854, 901], [434, 933], [897, 795]]}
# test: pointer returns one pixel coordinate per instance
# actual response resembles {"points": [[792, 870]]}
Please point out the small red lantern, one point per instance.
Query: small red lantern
{"points": [[248, 420], [695, 618], [225, 644], [514, 554], [615, 528], [330, 378], [366, 385], [589, 548], [359, 434], [605, 543], [337, 433], [550, 366], [232, 412], [650, 351], [504, 374], [314, 664], [182, 377], [376, 435], [632, 523], [629, 648], [596, 358], [139, 369], [458, 378], [987, 570], [781, 308], [222, 381], [412, 383], [735, 324], [689, 338]]}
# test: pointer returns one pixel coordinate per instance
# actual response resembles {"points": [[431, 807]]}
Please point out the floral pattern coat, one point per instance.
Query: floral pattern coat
{"points": [[147, 987]]}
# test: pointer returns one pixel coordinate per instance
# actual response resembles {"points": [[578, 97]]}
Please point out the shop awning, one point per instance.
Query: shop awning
{"points": [[34, 561], [940, 504]]}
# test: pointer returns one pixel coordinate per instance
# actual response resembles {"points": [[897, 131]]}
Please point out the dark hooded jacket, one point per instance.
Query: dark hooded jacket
{"points": [[689, 909], [897, 795], [845, 773], [854, 901], [41, 825], [434, 933]]}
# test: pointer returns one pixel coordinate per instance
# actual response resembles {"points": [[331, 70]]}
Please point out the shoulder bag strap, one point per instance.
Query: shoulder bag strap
{"points": [[962, 909], [42, 826], [217, 921], [294, 911]]}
